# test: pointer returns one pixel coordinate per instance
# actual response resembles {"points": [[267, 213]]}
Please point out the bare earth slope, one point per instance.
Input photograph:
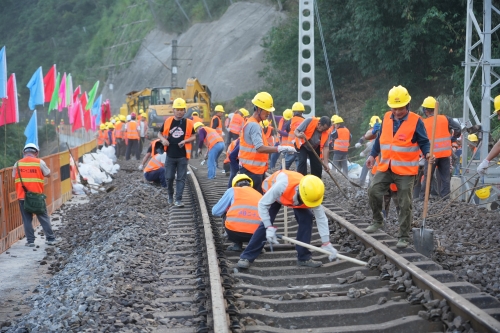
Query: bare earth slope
{"points": [[225, 54]]}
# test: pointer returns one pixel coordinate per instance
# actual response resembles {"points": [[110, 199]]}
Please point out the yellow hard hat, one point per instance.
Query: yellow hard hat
{"points": [[111, 126], [311, 190], [141, 111], [429, 103], [264, 123], [264, 101], [472, 137], [123, 118], [241, 177], [333, 118], [244, 112], [195, 113], [219, 108], [398, 97], [179, 103], [338, 120], [483, 193], [374, 120], [288, 114], [497, 104], [225, 115], [297, 106], [102, 126], [197, 125]]}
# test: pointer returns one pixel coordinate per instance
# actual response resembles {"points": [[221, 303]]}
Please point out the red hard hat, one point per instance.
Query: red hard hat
{"points": [[132, 114]]}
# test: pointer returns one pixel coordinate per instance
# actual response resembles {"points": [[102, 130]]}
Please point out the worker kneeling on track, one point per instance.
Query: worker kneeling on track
{"points": [[239, 203], [302, 193], [155, 169]]}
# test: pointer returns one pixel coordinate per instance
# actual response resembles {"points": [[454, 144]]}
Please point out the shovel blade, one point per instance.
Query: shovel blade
{"points": [[423, 240]]}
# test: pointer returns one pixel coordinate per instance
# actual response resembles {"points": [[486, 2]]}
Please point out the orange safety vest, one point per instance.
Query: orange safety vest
{"points": [[296, 121], [285, 140], [268, 135], [236, 124], [310, 129], [197, 119], [397, 150], [113, 137], [118, 130], [187, 135], [230, 150], [31, 173], [219, 127], [286, 198], [153, 164], [250, 159], [103, 137], [342, 141], [243, 215], [153, 152], [212, 137], [132, 133], [442, 140]]}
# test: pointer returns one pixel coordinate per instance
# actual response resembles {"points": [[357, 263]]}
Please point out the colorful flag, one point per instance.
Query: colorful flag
{"points": [[78, 116], [87, 120], [91, 96], [9, 110], [69, 90], [96, 110], [54, 101], [62, 94], [36, 89], [31, 131], [3, 73], [76, 94], [49, 82]]}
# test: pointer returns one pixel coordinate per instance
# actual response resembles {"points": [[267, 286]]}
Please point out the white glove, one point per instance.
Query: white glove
{"points": [[141, 167], [286, 149], [271, 235], [362, 154], [223, 134], [202, 162], [481, 168], [328, 246], [357, 145]]}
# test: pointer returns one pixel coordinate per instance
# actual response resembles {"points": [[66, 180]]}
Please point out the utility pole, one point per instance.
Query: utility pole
{"points": [[306, 56], [173, 82]]}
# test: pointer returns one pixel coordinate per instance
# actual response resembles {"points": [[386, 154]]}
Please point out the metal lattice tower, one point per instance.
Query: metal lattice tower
{"points": [[306, 56]]}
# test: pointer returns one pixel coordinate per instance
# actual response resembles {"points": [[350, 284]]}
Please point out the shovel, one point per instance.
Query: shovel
{"points": [[318, 249], [423, 238]]}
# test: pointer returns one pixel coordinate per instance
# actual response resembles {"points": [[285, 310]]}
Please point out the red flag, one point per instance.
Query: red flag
{"points": [[77, 110], [9, 111], [76, 93], [87, 120], [49, 82]]}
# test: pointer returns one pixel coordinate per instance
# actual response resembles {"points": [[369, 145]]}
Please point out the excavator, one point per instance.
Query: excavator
{"points": [[197, 96], [135, 101]]}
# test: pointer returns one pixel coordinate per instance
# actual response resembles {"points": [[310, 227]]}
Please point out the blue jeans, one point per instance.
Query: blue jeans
{"points": [[304, 219], [364, 173], [173, 165], [340, 161], [274, 158], [157, 176], [44, 220], [213, 156], [289, 159]]}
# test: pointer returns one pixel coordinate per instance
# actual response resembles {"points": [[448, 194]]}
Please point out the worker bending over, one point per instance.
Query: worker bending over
{"points": [[316, 131], [155, 170], [302, 193], [239, 204], [495, 151], [214, 143]]}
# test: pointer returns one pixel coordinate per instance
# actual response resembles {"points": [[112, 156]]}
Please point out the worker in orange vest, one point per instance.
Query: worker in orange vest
{"points": [[495, 151], [155, 169], [119, 135], [156, 147], [236, 124], [340, 138], [254, 150], [398, 143], [216, 122], [102, 136], [196, 117], [298, 110], [239, 205], [133, 137], [304, 195], [282, 136], [446, 130], [214, 143], [29, 173]]}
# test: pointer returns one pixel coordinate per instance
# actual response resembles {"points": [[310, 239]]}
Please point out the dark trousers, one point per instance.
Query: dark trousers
{"points": [[231, 137], [232, 174], [257, 179], [141, 144], [340, 161], [133, 148], [443, 170], [316, 167], [304, 219], [172, 166], [120, 147], [29, 231], [157, 176], [238, 237]]}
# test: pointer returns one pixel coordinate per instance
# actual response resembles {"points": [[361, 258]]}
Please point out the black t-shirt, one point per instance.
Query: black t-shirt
{"points": [[158, 148], [176, 134], [215, 122]]}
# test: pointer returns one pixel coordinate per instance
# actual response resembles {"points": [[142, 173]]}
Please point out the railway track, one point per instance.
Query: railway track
{"points": [[399, 291]]}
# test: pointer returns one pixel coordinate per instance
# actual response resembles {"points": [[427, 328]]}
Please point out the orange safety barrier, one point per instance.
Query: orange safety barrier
{"points": [[57, 189]]}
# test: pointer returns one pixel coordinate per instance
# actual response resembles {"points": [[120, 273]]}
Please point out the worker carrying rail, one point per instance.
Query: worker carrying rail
{"points": [[239, 204], [302, 193], [495, 151]]}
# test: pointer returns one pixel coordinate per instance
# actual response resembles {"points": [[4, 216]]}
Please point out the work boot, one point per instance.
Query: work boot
{"points": [[29, 244], [309, 263], [52, 242], [372, 228], [237, 247], [402, 243], [178, 203], [243, 263], [170, 200]]}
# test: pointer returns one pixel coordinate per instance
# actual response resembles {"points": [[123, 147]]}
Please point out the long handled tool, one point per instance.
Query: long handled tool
{"points": [[285, 219], [326, 168], [318, 249], [423, 238]]}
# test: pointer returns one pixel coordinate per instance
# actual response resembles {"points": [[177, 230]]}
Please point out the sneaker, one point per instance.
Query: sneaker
{"points": [[178, 203], [235, 247], [372, 228], [52, 242], [30, 244], [402, 243], [309, 263], [243, 263], [170, 200]]}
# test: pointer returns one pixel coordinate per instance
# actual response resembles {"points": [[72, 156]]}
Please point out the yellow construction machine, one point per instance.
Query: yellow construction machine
{"points": [[197, 96], [135, 101]]}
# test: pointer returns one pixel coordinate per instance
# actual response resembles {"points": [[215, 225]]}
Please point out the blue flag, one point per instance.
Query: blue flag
{"points": [[96, 109], [31, 131], [35, 86], [3, 73]]}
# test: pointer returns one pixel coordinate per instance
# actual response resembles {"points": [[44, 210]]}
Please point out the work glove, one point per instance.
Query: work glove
{"points": [[328, 246], [357, 145], [362, 154], [376, 128], [203, 162], [481, 168], [286, 149], [271, 235], [223, 134], [199, 151], [141, 166]]}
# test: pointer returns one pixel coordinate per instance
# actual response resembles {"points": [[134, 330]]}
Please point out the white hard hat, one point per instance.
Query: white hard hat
{"points": [[129, 117], [31, 146], [113, 121]]}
